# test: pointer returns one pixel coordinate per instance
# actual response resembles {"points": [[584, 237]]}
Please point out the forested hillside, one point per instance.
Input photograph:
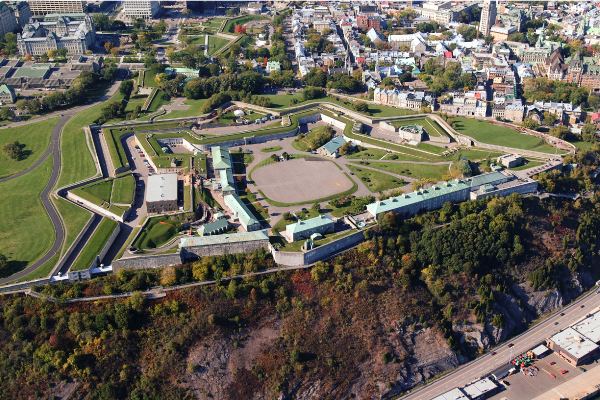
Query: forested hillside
{"points": [[419, 297]]}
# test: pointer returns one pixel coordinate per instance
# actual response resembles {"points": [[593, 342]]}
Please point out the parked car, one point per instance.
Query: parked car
{"points": [[564, 371], [552, 375], [553, 362], [583, 369], [562, 314]]}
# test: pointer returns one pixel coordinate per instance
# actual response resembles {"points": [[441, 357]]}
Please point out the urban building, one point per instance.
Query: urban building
{"points": [[412, 133], [306, 229], [332, 148], [40, 8], [29, 75], [572, 346], [254, 8], [445, 12], [481, 389], [240, 212], [538, 108], [144, 9], [488, 17], [7, 94], [22, 12], [75, 32], [412, 100], [202, 7], [8, 20], [231, 243], [161, 193], [214, 228], [454, 394], [501, 32], [422, 200], [464, 104], [517, 185], [226, 181]]}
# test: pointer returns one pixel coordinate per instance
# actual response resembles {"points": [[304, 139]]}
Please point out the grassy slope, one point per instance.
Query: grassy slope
{"points": [[26, 230], [75, 219], [123, 190], [35, 137], [417, 171], [302, 144], [485, 132], [95, 244], [431, 126], [377, 181], [100, 189], [193, 110], [215, 43], [156, 234]]}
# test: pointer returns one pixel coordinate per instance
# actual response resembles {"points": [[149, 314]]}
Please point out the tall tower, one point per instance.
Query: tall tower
{"points": [[488, 17]]}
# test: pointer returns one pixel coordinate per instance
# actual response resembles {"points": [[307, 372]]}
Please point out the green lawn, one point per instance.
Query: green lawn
{"points": [[303, 143], [270, 149], [192, 111], [472, 154], [135, 100], [376, 181], [431, 148], [149, 79], [206, 196], [215, 43], [123, 187], [371, 154], [431, 126], [75, 219], [485, 132], [26, 232], [157, 102], [34, 139], [232, 23], [581, 145], [303, 215], [198, 39], [156, 233], [100, 189], [94, 246], [417, 171]]}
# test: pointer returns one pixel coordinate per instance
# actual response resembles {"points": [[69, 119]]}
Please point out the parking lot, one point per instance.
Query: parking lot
{"points": [[528, 387]]}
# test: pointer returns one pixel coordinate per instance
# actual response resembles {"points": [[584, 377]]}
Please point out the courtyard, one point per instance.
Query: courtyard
{"points": [[301, 180]]}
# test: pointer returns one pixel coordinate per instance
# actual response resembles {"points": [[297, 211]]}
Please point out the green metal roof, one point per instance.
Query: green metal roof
{"points": [[6, 89], [227, 182], [486, 179], [309, 224], [36, 71], [394, 203], [240, 209], [224, 239], [213, 227], [334, 144], [221, 157]]}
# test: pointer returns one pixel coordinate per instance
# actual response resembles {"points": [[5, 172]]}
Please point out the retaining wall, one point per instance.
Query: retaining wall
{"points": [[249, 140], [68, 253], [386, 126], [331, 106], [159, 261], [323, 252], [96, 208], [440, 139], [241, 104]]}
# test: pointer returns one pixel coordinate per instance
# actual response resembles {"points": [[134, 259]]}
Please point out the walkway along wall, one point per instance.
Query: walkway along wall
{"points": [[158, 261], [295, 259]]}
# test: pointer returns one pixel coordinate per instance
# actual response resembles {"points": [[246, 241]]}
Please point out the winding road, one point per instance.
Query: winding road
{"points": [[54, 148]]}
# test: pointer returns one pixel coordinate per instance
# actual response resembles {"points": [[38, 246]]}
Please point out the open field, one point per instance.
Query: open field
{"points": [[215, 44], [94, 246], [123, 187], [416, 171], [376, 181], [26, 231], [158, 231], [149, 79], [192, 111], [198, 39], [485, 132], [34, 137]]}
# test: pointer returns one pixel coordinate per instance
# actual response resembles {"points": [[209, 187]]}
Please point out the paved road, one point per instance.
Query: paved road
{"points": [[527, 340], [54, 144], [54, 217]]}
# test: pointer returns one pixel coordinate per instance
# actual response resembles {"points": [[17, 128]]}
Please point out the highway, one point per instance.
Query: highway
{"points": [[525, 341]]}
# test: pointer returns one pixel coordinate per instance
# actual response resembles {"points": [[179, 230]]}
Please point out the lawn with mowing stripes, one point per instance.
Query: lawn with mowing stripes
{"points": [[215, 44], [158, 231], [95, 245], [26, 232], [485, 132], [416, 171], [376, 181], [123, 187], [34, 139]]}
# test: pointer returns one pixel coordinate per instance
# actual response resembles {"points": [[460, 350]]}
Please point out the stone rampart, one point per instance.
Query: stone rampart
{"points": [[80, 200], [249, 140], [158, 261], [68, 253], [226, 248], [388, 127], [320, 253]]}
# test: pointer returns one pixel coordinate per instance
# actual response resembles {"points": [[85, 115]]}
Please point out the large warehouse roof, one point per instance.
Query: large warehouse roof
{"points": [[574, 343], [162, 187], [221, 158], [589, 327]]}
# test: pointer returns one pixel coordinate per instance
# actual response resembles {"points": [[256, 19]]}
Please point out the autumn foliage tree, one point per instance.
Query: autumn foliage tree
{"points": [[240, 29]]}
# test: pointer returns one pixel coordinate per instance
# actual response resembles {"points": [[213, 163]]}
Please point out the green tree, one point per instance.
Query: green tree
{"points": [[3, 262], [101, 21], [6, 113], [12, 150], [588, 133]]}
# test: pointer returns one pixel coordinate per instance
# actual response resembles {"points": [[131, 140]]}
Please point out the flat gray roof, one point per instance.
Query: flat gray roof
{"points": [[589, 327], [162, 187], [574, 343], [224, 239]]}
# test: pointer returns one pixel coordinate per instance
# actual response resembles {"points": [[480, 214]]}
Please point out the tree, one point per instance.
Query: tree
{"points": [[588, 133], [63, 52], [3, 262], [549, 119], [52, 53], [114, 52], [361, 106], [108, 46], [240, 29], [21, 104], [137, 300], [6, 113], [530, 123], [168, 276], [189, 62], [517, 37], [101, 21], [134, 37], [316, 208], [561, 132]]}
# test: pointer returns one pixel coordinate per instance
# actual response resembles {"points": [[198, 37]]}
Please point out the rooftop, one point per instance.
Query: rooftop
{"points": [[589, 327], [574, 343], [485, 179], [221, 157], [309, 224], [227, 183], [224, 239], [213, 226], [240, 209], [479, 388], [394, 203], [454, 394], [33, 71], [334, 144], [162, 187]]}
